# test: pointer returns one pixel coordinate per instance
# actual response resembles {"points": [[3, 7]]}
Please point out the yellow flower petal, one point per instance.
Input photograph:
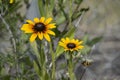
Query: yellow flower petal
{"points": [[51, 26], [48, 21], [50, 32], [47, 37], [63, 40], [11, 1], [40, 35], [67, 40], [62, 44], [30, 22], [36, 20], [73, 41], [42, 19], [33, 37], [80, 47], [71, 49], [27, 28], [80, 42], [29, 31], [77, 40]]}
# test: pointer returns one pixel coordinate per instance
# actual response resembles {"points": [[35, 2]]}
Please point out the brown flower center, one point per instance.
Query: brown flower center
{"points": [[39, 27], [71, 45]]}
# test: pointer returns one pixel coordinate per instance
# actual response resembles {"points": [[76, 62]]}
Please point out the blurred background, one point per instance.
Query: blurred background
{"points": [[102, 19]]}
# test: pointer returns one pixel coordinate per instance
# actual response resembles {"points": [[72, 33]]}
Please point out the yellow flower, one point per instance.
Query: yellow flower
{"points": [[71, 45], [40, 27], [11, 1]]}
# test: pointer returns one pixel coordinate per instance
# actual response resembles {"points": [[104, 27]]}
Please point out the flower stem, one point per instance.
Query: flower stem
{"points": [[41, 60], [71, 67], [53, 62], [41, 7]]}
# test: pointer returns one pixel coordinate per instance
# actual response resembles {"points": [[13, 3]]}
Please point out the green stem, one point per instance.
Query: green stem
{"points": [[41, 60], [62, 9], [41, 7], [53, 70], [76, 9], [71, 67], [13, 43], [41, 54], [52, 5], [70, 14], [53, 61]]}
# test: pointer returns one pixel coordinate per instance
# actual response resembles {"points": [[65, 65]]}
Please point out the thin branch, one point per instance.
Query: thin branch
{"points": [[10, 32], [76, 9], [84, 70], [64, 13], [79, 20]]}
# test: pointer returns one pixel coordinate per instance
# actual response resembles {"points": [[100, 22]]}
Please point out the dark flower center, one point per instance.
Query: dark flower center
{"points": [[39, 27], [71, 45]]}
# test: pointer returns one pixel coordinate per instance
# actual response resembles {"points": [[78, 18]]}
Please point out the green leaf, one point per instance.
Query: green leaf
{"points": [[76, 15], [60, 20], [85, 50], [94, 41], [6, 77], [84, 9], [35, 49], [36, 67], [15, 6], [3, 72], [47, 77], [41, 7], [59, 51], [57, 32], [85, 39], [70, 34], [78, 1]]}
